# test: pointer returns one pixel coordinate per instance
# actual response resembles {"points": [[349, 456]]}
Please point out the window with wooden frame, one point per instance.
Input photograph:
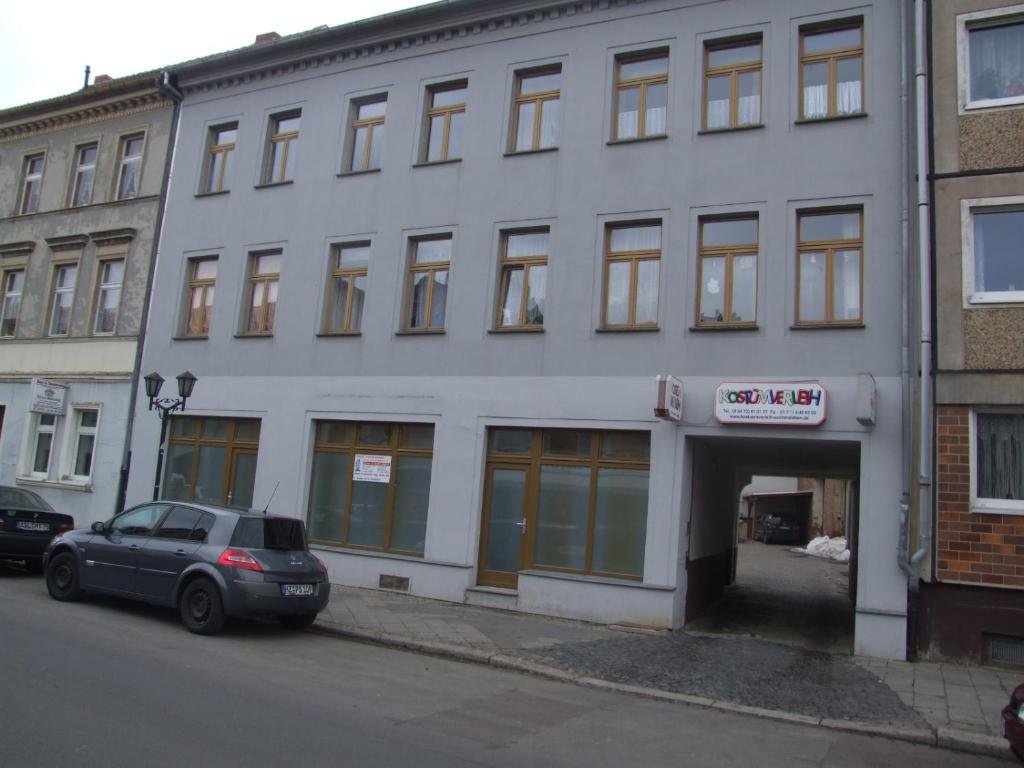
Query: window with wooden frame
{"points": [[727, 272], [62, 298], [131, 166], [521, 292], [211, 460], [536, 109], [220, 147], [641, 95], [108, 296], [830, 255], [427, 285], [346, 287], [366, 134], [732, 83], [370, 485], [261, 307], [13, 287], [444, 122], [631, 267], [31, 183], [85, 174], [202, 280], [832, 70], [564, 500], [282, 148]]}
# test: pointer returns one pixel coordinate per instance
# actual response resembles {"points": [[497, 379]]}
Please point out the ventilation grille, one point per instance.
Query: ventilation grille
{"points": [[1006, 651], [400, 583]]}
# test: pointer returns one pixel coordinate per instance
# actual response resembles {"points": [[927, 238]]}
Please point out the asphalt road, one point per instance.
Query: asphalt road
{"points": [[112, 683]]}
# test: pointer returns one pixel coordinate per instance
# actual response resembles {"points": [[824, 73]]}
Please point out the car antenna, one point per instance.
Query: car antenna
{"points": [[271, 497]]}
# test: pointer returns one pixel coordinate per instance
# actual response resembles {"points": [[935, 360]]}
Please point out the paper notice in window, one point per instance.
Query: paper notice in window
{"points": [[371, 468]]}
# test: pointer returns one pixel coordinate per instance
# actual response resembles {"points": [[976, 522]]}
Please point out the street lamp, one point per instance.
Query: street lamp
{"points": [[166, 405]]}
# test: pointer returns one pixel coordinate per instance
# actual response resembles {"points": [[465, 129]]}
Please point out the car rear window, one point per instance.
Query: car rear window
{"points": [[19, 499], [269, 533]]}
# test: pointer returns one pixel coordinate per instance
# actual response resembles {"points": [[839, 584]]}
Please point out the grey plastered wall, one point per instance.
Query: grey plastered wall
{"points": [[774, 171]]}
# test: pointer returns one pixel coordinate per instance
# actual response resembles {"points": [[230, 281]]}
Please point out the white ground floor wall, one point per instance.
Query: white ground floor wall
{"points": [[462, 409]]}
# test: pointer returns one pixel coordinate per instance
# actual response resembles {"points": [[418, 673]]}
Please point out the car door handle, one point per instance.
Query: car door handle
{"points": [[134, 548], [180, 553]]}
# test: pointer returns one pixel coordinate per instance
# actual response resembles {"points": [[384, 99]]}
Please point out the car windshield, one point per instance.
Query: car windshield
{"points": [[19, 499], [269, 533]]}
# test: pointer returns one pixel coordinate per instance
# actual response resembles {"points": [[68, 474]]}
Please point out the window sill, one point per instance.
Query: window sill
{"points": [[254, 335], [635, 583], [64, 485], [638, 329], [336, 334], [526, 152], [218, 193], [993, 508], [730, 129], [197, 337], [339, 549], [271, 184], [431, 163], [821, 326], [829, 119], [637, 140], [420, 332], [992, 298], [363, 172], [725, 327], [515, 329]]}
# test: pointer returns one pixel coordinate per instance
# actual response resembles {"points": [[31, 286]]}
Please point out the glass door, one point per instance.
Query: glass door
{"points": [[242, 478], [503, 528]]}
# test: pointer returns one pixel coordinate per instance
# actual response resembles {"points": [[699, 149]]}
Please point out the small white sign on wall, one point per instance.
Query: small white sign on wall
{"points": [[48, 396], [372, 468]]}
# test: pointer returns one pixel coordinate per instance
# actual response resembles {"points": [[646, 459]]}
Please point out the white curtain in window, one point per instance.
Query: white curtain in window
{"points": [[979, 256], [749, 110], [718, 113], [629, 123], [657, 120], [1000, 456], [815, 101], [848, 97], [997, 62]]}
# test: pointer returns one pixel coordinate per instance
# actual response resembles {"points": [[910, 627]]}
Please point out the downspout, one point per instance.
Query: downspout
{"points": [[165, 87]]}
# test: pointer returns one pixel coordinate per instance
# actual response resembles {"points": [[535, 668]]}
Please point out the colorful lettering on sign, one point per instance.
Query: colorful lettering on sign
{"points": [[770, 396]]}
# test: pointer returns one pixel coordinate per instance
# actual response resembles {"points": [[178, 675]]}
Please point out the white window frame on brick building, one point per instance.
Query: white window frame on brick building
{"points": [[985, 504]]}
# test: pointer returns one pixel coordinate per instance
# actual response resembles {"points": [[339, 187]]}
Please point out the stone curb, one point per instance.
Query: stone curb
{"points": [[945, 738]]}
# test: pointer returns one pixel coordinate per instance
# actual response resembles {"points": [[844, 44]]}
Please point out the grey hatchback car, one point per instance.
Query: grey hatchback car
{"points": [[209, 562]]}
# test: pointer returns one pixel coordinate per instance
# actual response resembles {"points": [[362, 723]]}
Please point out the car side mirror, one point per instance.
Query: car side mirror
{"points": [[99, 527]]}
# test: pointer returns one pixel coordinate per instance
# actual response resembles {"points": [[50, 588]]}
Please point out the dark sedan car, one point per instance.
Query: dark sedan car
{"points": [[27, 523], [1013, 722], [209, 562]]}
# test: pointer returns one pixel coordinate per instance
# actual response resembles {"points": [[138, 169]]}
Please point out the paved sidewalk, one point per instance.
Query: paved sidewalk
{"points": [[948, 705]]}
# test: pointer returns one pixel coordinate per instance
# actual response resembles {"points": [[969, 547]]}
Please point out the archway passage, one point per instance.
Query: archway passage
{"points": [[754, 503]]}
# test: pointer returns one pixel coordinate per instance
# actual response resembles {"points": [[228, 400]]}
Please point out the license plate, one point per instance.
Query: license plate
{"points": [[23, 525], [296, 590]]}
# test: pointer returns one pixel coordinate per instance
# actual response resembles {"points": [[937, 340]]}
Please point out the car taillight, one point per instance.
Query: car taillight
{"points": [[65, 528], [1, 524], [237, 558], [320, 564]]}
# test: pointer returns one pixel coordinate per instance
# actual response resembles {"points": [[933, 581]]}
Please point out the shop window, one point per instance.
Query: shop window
{"points": [[991, 57], [832, 70], [641, 95], [524, 269], [573, 501], [997, 466], [211, 460], [370, 485], [536, 109], [993, 230], [727, 272], [732, 84], [830, 257]]}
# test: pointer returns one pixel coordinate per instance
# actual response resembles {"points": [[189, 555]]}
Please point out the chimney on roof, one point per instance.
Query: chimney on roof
{"points": [[101, 79], [267, 37]]}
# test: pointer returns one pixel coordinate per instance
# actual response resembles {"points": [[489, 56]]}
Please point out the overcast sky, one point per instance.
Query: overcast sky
{"points": [[45, 46]]}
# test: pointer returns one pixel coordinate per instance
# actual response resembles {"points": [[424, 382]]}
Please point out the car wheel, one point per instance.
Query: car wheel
{"points": [[297, 620], [34, 566], [62, 578], [201, 609]]}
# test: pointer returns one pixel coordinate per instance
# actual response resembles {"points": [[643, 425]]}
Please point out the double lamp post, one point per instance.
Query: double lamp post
{"points": [[165, 406]]}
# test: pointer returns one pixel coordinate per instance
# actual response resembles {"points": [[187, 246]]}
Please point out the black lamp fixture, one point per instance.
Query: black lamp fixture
{"points": [[166, 405]]}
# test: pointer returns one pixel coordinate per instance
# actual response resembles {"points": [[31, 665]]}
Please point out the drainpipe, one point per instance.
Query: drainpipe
{"points": [[165, 87]]}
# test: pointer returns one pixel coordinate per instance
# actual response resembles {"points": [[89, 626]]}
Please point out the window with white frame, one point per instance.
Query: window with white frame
{"points": [[13, 285], [45, 428], [990, 57], [997, 462], [108, 296], [85, 422], [993, 249], [131, 167]]}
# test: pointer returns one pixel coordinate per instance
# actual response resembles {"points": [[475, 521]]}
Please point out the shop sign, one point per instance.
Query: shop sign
{"points": [[372, 468], [788, 403], [48, 396], [670, 399]]}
